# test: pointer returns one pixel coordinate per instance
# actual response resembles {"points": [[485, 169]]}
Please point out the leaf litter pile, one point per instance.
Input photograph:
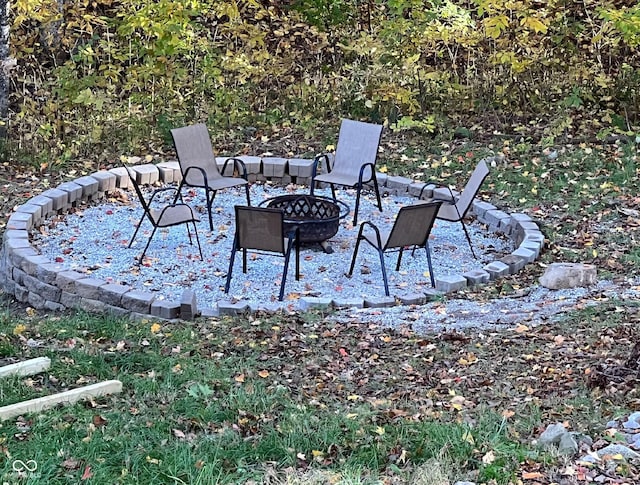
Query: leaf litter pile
{"points": [[95, 241]]}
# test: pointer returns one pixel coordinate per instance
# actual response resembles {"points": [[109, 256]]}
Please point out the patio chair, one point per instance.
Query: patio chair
{"points": [[263, 229], [163, 214], [455, 210], [198, 164], [355, 160], [412, 227]]}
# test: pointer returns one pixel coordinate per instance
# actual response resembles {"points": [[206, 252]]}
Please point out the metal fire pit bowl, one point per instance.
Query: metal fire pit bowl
{"points": [[317, 217]]}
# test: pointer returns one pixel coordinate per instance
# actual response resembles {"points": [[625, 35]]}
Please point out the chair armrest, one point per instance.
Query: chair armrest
{"points": [[161, 190], [375, 229], [316, 162], [238, 164], [200, 169], [371, 166]]}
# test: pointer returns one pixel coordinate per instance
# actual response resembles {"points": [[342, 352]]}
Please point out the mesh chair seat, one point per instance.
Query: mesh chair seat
{"points": [[355, 159], [199, 167], [412, 227]]}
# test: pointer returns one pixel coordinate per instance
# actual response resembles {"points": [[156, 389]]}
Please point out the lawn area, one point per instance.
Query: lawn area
{"points": [[297, 398]]}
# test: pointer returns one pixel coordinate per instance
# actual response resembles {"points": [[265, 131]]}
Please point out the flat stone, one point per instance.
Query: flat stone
{"points": [[20, 220], [33, 209], [253, 164], [348, 303], [308, 303], [106, 180], [169, 172], [145, 174], [412, 299], [617, 449], [568, 275], [450, 283], [73, 190], [122, 178], [111, 293], [379, 302], [300, 167], [188, 305], [527, 254], [479, 208], [59, 198], [45, 203], [274, 167], [165, 309], [66, 280], [138, 301], [416, 188], [400, 184], [497, 269], [477, 277], [515, 262], [15, 234], [89, 288], [89, 186], [552, 435], [230, 308]]}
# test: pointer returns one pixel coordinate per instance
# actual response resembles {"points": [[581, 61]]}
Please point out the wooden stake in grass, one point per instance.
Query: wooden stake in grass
{"points": [[26, 368], [67, 397]]}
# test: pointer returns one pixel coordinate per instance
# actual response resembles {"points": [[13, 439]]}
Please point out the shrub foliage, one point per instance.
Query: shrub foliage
{"points": [[96, 78]]}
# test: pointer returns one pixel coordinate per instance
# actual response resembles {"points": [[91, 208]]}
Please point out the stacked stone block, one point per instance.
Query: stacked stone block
{"points": [[31, 278]]}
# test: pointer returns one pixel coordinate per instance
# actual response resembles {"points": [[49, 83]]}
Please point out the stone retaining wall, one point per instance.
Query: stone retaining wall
{"points": [[43, 284]]}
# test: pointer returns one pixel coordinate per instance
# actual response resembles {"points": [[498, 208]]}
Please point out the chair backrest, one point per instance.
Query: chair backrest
{"points": [[357, 144], [472, 187], [260, 228], [193, 147], [136, 187], [413, 224]]}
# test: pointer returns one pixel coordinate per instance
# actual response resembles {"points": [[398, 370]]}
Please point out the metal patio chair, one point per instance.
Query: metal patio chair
{"points": [[355, 160], [163, 214], [199, 167], [412, 227], [455, 210], [263, 229]]}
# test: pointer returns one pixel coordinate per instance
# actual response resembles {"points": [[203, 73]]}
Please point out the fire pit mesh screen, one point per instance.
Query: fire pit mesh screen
{"points": [[317, 217]]}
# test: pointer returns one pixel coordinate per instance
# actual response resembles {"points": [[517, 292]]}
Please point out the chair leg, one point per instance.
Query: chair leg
{"points": [[399, 259], [377, 190], [147, 246], [466, 233], [195, 230], [355, 213], [355, 251], [246, 188], [428, 250], [333, 193], [244, 260], [231, 261], [136, 231], [384, 272], [284, 272], [297, 257], [209, 204]]}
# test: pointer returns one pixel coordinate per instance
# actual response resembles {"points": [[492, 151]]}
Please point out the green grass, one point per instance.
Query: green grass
{"points": [[268, 398], [198, 407]]}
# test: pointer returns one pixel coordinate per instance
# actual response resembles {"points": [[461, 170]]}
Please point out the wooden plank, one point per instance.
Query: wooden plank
{"points": [[67, 397], [26, 368]]}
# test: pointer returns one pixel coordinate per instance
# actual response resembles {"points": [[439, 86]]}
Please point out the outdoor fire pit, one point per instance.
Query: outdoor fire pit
{"points": [[317, 217]]}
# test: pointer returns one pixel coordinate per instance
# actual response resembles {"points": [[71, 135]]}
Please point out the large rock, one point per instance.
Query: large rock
{"points": [[568, 275]]}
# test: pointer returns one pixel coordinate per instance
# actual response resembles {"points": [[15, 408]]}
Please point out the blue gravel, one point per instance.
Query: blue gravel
{"points": [[94, 240]]}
